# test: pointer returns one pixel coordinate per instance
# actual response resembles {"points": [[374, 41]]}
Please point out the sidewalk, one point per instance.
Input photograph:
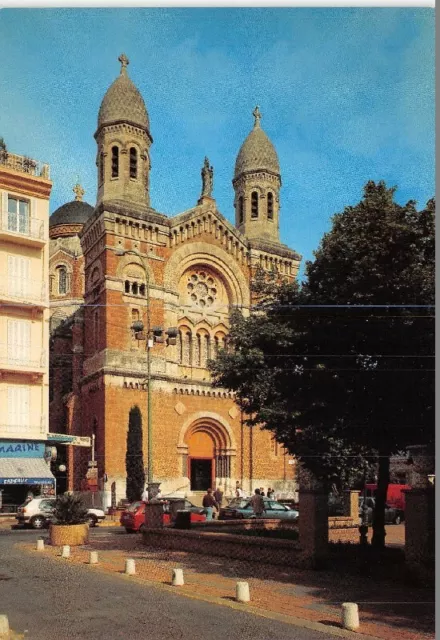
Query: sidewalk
{"points": [[387, 611]]}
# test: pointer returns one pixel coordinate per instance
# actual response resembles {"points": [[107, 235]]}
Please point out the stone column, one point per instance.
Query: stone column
{"points": [[351, 505], [420, 530], [313, 524]]}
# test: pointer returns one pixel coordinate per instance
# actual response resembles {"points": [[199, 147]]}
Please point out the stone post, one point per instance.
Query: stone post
{"points": [[420, 530], [313, 524], [351, 505], [154, 515]]}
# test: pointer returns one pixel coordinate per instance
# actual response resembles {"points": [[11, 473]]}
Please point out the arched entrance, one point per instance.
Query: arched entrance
{"points": [[208, 450]]}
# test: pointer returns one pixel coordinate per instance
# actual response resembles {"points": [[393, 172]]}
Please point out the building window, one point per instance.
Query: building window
{"points": [[115, 162], [18, 408], [19, 342], [96, 329], [19, 270], [133, 162], [18, 215], [62, 281], [101, 168], [240, 209], [270, 206], [254, 204]]}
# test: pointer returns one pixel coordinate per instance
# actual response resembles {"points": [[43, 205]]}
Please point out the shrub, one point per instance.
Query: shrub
{"points": [[70, 509]]}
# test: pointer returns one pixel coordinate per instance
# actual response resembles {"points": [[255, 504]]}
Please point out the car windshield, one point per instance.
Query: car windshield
{"points": [[134, 507], [238, 503]]}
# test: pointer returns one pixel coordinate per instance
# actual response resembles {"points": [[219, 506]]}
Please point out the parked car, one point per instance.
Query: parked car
{"points": [[133, 518], [392, 514], [241, 508], [38, 513]]}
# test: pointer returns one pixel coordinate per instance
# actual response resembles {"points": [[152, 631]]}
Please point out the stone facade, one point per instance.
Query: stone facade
{"points": [[130, 263]]}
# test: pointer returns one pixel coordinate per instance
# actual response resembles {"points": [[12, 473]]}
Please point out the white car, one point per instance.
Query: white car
{"points": [[38, 513]]}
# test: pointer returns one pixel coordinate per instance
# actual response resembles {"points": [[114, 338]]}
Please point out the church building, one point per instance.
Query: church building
{"points": [[140, 301]]}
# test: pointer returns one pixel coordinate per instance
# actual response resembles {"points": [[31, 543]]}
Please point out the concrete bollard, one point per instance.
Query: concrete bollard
{"points": [[242, 592], [130, 567], [4, 626], [350, 616], [65, 553], [93, 557], [177, 580], [40, 544]]}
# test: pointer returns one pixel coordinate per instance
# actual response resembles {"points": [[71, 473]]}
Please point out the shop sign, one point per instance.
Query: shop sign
{"points": [[9, 449]]}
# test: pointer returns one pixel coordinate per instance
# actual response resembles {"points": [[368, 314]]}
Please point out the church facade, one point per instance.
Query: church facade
{"points": [[141, 299]]}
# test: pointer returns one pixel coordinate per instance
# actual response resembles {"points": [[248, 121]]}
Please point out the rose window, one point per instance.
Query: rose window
{"points": [[202, 289]]}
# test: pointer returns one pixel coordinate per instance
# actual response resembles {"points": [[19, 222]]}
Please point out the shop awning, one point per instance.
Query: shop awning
{"points": [[25, 471]]}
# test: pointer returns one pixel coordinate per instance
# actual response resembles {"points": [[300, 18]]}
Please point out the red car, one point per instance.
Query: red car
{"points": [[133, 518]]}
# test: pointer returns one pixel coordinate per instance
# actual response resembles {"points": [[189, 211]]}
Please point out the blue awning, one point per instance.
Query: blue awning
{"points": [[25, 471]]}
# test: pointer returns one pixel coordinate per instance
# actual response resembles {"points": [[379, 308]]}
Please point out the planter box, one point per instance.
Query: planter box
{"points": [[71, 534]]}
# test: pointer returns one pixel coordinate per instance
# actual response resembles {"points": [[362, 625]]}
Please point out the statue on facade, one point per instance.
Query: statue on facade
{"points": [[207, 179]]}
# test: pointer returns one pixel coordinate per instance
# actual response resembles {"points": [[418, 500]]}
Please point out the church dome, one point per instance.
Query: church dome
{"points": [[123, 101], [75, 212], [257, 151]]}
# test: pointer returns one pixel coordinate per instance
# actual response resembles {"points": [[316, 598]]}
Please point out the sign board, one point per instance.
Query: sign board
{"points": [[291, 461], [16, 449], [64, 438], [27, 481]]}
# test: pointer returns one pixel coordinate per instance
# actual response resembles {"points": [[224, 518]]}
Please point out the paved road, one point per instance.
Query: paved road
{"points": [[52, 601]]}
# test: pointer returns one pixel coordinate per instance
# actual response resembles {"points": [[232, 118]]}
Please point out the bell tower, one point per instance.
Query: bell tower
{"points": [[123, 139], [257, 183]]}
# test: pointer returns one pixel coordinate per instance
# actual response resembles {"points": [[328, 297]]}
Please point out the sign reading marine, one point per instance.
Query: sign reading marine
{"points": [[9, 449]]}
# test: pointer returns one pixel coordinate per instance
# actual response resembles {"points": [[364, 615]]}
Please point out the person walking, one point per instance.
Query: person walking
{"points": [[144, 497], [209, 503], [257, 504], [261, 491], [270, 494], [218, 496]]}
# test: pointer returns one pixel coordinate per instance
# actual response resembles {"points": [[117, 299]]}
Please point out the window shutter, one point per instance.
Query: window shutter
{"points": [[24, 407], [12, 275], [12, 406], [12, 341], [26, 340], [25, 272], [4, 211]]}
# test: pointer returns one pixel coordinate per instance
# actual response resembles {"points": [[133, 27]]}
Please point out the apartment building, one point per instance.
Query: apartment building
{"points": [[25, 188]]}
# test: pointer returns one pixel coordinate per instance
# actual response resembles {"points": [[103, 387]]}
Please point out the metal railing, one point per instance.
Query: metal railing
{"points": [[25, 165], [23, 290], [28, 226], [21, 361]]}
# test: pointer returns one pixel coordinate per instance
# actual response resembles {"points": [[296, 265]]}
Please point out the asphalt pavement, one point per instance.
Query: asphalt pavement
{"points": [[47, 600]]}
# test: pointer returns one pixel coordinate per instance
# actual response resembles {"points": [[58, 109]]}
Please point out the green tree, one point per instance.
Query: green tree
{"points": [[134, 460], [341, 369]]}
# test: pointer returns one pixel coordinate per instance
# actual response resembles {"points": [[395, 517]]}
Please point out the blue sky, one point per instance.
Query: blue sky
{"points": [[347, 95]]}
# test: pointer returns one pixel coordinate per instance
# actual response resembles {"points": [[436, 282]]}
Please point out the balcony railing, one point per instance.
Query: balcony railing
{"points": [[23, 290], [25, 165], [20, 362], [29, 227], [32, 429]]}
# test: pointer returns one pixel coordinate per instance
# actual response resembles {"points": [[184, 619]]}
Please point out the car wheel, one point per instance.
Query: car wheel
{"points": [[129, 530], [142, 528], [38, 522], [91, 521]]}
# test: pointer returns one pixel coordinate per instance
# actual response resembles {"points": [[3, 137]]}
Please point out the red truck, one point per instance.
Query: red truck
{"points": [[395, 494]]}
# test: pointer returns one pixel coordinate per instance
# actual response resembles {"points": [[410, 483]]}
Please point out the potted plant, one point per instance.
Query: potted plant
{"points": [[3, 151], [69, 525]]}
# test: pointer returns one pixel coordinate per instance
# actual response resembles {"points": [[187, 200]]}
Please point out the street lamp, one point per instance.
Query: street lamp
{"points": [[152, 335]]}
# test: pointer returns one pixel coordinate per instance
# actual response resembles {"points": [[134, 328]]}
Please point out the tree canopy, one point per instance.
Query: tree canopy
{"points": [[341, 369]]}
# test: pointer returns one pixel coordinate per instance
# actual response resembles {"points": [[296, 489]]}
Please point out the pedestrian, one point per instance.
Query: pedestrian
{"points": [[218, 496], [209, 503], [239, 492], [270, 493], [257, 504], [261, 491], [144, 497]]}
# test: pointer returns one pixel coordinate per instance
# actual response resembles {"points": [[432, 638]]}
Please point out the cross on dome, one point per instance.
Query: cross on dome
{"points": [[124, 62], [79, 192], [257, 115]]}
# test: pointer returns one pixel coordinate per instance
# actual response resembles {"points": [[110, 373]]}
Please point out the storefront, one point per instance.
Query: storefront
{"points": [[24, 469]]}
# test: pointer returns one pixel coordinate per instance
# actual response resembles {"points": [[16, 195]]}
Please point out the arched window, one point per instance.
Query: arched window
{"points": [[133, 163], [115, 162], [101, 168], [96, 329], [254, 204], [127, 286], [62, 281], [240, 209], [134, 288], [270, 205]]}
